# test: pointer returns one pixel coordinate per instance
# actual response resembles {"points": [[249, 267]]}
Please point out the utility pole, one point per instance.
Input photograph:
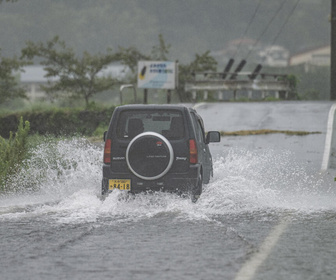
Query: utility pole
{"points": [[333, 51]]}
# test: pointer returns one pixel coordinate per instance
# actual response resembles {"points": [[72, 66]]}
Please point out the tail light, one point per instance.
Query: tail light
{"points": [[192, 151], [107, 151]]}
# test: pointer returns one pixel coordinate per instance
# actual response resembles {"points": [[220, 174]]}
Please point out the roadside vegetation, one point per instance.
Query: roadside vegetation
{"points": [[266, 131], [59, 121], [12, 152]]}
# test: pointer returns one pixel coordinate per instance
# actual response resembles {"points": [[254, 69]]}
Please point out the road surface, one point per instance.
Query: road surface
{"points": [[268, 213]]}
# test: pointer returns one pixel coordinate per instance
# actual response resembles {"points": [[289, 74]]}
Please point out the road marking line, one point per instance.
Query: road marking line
{"points": [[250, 267], [327, 146]]}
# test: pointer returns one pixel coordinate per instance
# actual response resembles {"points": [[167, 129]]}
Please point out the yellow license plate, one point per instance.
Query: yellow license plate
{"points": [[121, 184]]}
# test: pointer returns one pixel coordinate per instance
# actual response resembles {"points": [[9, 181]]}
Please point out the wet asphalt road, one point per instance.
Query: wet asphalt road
{"points": [[268, 213]]}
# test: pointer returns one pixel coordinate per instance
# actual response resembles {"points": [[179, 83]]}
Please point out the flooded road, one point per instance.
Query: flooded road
{"points": [[268, 213]]}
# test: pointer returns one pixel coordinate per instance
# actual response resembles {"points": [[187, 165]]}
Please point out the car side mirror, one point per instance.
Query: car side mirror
{"points": [[105, 134], [213, 136]]}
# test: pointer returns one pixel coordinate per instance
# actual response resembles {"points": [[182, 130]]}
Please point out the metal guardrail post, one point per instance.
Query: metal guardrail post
{"points": [[122, 87]]}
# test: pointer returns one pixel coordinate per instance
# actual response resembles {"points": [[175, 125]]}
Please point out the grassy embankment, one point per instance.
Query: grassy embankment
{"points": [[266, 131]]}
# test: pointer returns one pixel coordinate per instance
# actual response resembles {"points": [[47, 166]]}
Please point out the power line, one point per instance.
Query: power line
{"points": [[287, 19], [248, 26], [267, 26]]}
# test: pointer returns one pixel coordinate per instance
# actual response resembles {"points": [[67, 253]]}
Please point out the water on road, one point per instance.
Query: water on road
{"points": [[60, 229]]}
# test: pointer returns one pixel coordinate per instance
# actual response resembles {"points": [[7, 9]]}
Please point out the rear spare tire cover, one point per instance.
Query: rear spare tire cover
{"points": [[149, 155]]}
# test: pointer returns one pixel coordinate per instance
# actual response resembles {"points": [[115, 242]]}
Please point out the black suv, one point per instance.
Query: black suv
{"points": [[157, 148]]}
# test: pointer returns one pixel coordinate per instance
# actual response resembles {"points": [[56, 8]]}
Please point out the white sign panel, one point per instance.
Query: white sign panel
{"points": [[156, 74]]}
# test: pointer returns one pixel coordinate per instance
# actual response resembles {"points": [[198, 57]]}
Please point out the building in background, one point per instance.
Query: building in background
{"points": [[312, 58], [274, 56]]}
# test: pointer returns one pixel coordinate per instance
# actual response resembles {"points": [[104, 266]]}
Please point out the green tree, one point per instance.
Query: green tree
{"points": [[161, 51], [77, 76], [201, 63], [130, 56], [9, 88]]}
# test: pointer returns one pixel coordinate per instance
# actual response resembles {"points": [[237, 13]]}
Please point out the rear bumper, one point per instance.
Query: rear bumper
{"points": [[171, 182]]}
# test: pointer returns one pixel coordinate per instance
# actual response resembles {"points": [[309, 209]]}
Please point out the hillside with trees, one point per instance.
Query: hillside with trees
{"points": [[189, 26], [129, 30]]}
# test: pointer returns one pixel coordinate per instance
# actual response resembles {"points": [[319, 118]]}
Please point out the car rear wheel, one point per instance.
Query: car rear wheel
{"points": [[149, 156], [197, 190]]}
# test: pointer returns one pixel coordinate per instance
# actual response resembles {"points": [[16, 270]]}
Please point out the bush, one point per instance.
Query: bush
{"points": [[59, 122], [13, 152]]}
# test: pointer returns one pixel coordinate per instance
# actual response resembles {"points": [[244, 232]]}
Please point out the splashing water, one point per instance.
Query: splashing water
{"points": [[55, 170], [60, 168], [254, 180], [62, 180]]}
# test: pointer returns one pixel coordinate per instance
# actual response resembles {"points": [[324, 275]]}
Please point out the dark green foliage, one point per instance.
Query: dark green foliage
{"points": [[9, 87], [130, 57], [161, 51], [59, 121], [313, 84], [13, 151]]}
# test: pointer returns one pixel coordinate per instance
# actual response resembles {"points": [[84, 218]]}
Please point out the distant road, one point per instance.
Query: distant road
{"points": [[287, 115]]}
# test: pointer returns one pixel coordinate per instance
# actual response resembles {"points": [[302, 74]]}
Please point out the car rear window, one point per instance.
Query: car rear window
{"points": [[168, 123]]}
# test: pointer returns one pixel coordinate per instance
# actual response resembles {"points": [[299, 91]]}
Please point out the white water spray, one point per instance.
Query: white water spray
{"points": [[63, 180]]}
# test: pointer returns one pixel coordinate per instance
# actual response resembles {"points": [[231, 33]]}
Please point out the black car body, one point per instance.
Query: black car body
{"points": [[157, 148]]}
